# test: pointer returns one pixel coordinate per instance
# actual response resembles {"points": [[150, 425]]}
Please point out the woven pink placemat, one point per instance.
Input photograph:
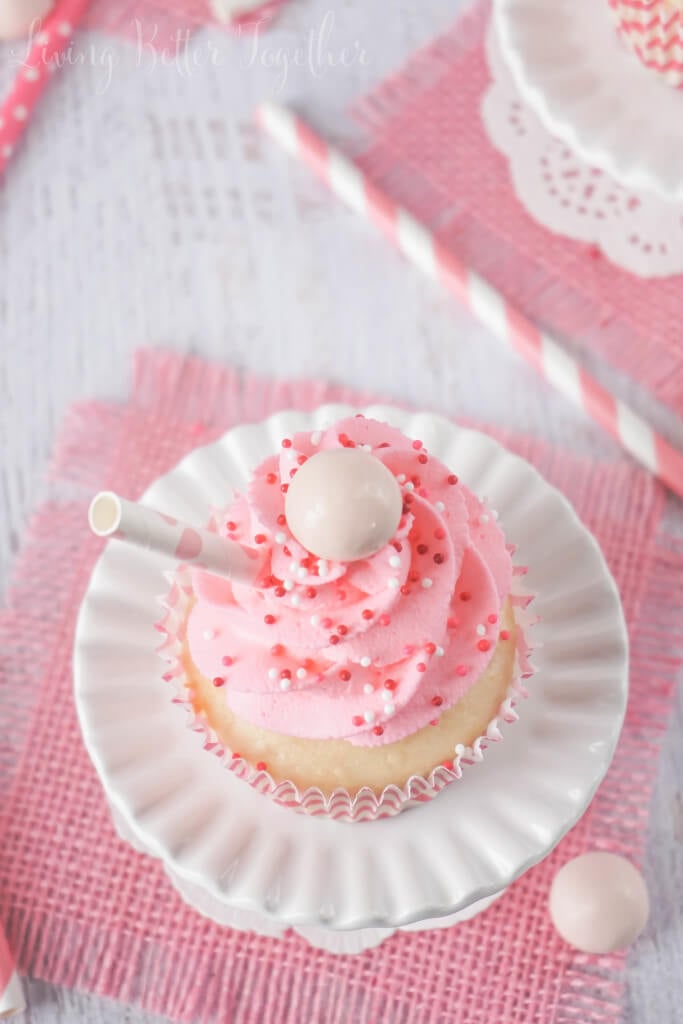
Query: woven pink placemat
{"points": [[82, 909], [429, 149]]}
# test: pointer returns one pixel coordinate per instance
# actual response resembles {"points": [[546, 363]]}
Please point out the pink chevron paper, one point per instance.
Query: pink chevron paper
{"points": [[83, 909]]}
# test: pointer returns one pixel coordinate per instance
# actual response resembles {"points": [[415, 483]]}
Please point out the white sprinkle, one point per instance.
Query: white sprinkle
{"points": [[369, 716], [368, 688], [316, 438], [20, 112], [483, 519], [296, 600], [302, 572], [209, 634], [401, 478], [301, 673], [394, 583], [32, 74], [395, 562], [273, 673], [494, 513], [439, 652], [280, 537], [64, 29], [459, 750], [410, 486], [288, 585], [366, 662], [42, 39], [389, 709], [439, 506], [293, 568], [285, 684], [315, 620], [426, 582], [323, 567], [481, 629], [386, 696]]}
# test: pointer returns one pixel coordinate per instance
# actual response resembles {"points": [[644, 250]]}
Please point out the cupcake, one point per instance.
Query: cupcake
{"points": [[653, 29], [381, 643]]}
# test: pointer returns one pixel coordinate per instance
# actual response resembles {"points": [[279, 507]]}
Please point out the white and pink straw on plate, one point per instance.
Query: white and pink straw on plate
{"points": [[35, 72], [11, 994], [421, 247]]}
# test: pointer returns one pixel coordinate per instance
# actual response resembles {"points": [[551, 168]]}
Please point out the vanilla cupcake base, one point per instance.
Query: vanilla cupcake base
{"points": [[330, 765]]}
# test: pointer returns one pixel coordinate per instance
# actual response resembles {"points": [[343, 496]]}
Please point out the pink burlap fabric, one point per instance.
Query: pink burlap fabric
{"points": [[81, 908], [429, 149]]}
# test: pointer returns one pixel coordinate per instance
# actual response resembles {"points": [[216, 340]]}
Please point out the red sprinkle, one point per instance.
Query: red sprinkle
{"points": [[235, 755], [493, 619], [390, 684], [301, 459], [452, 479], [405, 589], [413, 575], [378, 730], [219, 681], [311, 592], [342, 630], [367, 613], [439, 558], [421, 667], [345, 675], [439, 533], [260, 538], [484, 644], [462, 670], [452, 623], [384, 620], [286, 551], [447, 764], [437, 701], [430, 648], [286, 443], [422, 549], [230, 526], [408, 498], [284, 488], [293, 472], [226, 660], [341, 595], [261, 766], [334, 639], [286, 674], [465, 595], [277, 649], [417, 445], [167, 677], [422, 458], [282, 519], [280, 591], [269, 620], [505, 634], [326, 623], [434, 721], [397, 545], [357, 720], [271, 478]]}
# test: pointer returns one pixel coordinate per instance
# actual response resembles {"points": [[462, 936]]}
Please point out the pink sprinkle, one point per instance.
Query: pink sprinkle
{"points": [[357, 720], [196, 428], [462, 670], [505, 634], [417, 445], [167, 677], [226, 660], [384, 620], [493, 619], [421, 667], [408, 650], [219, 681], [326, 623], [430, 648], [286, 443], [484, 644]]}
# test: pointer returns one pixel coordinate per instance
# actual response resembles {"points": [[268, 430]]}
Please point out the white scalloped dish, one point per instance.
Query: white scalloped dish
{"points": [[469, 842]]}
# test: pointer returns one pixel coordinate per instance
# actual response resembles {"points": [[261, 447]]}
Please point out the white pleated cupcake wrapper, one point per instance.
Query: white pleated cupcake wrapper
{"points": [[655, 32], [366, 805]]}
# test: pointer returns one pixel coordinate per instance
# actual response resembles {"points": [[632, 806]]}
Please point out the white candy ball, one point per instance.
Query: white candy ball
{"points": [[343, 504], [17, 16], [599, 902]]}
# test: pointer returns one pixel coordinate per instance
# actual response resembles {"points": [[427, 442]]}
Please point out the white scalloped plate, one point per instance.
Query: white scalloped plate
{"points": [[592, 92], [482, 832]]}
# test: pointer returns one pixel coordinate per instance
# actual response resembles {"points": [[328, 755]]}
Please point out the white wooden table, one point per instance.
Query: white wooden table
{"points": [[146, 209]]}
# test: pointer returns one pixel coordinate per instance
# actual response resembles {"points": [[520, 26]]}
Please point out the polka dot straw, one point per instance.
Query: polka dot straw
{"points": [[35, 72], [420, 246]]}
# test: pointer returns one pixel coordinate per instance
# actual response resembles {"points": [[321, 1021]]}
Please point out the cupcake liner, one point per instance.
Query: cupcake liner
{"points": [[653, 29], [340, 805]]}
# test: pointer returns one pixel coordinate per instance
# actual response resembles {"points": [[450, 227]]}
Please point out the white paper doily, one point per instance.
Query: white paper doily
{"points": [[591, 91], [637, 231]]}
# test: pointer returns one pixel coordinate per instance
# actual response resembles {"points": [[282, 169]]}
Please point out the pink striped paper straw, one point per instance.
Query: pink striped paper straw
{"points": [[419, 245], [112, 516], [35, 73]]}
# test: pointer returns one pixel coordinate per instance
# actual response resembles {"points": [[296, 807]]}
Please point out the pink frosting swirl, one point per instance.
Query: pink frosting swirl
{"points": [[368, 651]]}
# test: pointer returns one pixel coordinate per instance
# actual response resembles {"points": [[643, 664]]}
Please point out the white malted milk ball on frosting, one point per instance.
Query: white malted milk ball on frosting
{"points": [[599, 902], [17, 16], [343, 504]]}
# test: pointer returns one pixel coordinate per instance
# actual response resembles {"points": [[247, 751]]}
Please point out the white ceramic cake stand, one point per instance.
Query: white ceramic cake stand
{"points": [[242, 860], [592, 92]]}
